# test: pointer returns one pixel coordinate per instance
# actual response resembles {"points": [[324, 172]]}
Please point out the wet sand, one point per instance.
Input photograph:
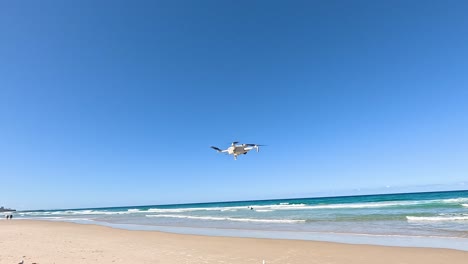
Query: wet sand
{"points": [[46, 242]]}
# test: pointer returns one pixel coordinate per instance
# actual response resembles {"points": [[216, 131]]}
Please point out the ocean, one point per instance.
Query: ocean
{"points": [[432, 219]]}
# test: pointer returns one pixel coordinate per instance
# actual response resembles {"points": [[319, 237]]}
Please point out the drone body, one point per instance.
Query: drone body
{"points": [[238, 149]]}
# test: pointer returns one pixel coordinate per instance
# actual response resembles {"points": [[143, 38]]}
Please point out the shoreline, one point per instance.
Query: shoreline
{"points": [[53, 241], [457, 243]]}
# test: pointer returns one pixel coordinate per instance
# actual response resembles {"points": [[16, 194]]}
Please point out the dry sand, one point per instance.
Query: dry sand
{"points": [[45, 242]]}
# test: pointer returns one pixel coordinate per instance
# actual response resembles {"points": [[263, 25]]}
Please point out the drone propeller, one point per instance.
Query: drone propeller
{"points": [[215, 148]]}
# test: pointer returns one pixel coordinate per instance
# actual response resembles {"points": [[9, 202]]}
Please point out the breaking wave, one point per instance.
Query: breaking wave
{"points": [[229, 219], [440, 218]]}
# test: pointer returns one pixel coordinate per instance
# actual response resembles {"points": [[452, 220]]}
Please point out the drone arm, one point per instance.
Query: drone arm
{"points": [[252, 146]]}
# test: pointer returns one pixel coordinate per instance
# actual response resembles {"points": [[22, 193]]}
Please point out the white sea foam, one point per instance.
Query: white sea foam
{"points": [[78, 212], [258, 208], [461, 201], [45, 217], [282, 206], [385, 204], [229, 219], [438, 218], [455, 200], [227, 208], [95, 212], [180, 210], [357, 205]]}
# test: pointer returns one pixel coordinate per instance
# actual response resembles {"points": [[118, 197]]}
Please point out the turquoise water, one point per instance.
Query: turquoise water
{"points": [[435, 215]]}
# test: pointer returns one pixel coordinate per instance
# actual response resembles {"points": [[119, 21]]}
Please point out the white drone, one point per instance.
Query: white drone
{"points": [[238, 149]]}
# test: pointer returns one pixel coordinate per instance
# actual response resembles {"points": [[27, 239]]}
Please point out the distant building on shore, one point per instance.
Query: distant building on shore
{"points": [[3, 209]]}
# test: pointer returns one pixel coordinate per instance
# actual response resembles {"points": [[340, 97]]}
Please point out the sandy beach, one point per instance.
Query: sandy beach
{"points": [[58, 242]]}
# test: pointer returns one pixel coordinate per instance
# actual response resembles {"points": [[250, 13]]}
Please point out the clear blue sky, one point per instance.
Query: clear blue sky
{"points": [[106, 103]]}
